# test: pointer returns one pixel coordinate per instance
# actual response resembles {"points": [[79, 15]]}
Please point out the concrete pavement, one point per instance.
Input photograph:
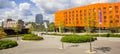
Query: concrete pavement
{"points": [[51, 45]]}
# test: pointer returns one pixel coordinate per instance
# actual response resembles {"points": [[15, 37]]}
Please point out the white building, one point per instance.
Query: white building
{"points": [[9, 23]]}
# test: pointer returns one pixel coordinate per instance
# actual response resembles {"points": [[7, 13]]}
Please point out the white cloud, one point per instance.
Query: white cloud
{"points": [[7, 4], [45, 7], [13, 4], [24, 6], [16, 12], [50, 6], [10, 13], [24, 9]]}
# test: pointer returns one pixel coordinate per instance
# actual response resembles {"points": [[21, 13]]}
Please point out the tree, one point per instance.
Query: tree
{"points": [[2, 34], [90, 26], [51, 27], [73, 27], [62, 25], [17, 29], [32, 28]]}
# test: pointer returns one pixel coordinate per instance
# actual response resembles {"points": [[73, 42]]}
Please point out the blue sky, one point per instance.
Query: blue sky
{"points": [[24, 1], [27, 9]]}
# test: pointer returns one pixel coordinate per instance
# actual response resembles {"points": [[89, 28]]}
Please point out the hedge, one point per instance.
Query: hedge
{"points": [[94, 35], [107, 35], [76, 39], [31, 37], [4, 44]]}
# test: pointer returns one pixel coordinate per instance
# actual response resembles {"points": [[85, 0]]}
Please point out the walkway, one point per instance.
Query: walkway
{"points": [[51, 45]]}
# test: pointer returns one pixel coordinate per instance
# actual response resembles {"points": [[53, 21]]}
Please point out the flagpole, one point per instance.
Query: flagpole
{"points": [[99, 29], [99, 11], [100, 20]]}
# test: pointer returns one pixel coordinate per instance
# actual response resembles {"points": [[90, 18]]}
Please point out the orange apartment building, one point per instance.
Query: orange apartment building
{"points": [[90, 15]]}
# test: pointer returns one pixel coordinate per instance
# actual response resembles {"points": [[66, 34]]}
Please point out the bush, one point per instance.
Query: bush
{"points": [[76, 39], [56, 34], [2, 34], [94, 35], [4, 44], [32, 37], [107, 35]]}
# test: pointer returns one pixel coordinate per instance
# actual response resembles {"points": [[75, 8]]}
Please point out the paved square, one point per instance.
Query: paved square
{"points": [[51, 45]]}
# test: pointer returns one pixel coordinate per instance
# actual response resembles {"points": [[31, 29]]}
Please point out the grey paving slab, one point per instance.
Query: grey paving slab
{"points": [[51, 45]]}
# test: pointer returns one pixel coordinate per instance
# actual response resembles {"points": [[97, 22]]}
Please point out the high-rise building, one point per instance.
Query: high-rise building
{"points": [[105, 14], [46, 21], [39, 18]]}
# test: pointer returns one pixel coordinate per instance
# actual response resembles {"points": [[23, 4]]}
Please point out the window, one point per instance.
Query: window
{"points": [[77, 22], [110, 16], [69, 19], [84, 10], [66, 19], [69, 22], [110, 12], [116, 12], [117, 21], [116, 7], [69, 15], [76, 18], [111, 21], [110, 7], [104, 12], [89, 10], [105, 21], [117, 17], [66, 22], [99, 8], [89, 14], [72, 11], [80, 11], [80, 18], [76, 11], [72, 15], [80, 14], [65, 12], [105, 17], [104, 8], [94, 10], [81, 21], [76, 15], [84, 14], [69, 12]]}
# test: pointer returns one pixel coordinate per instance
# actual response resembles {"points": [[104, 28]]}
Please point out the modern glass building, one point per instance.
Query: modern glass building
{"points": [[39, 18]]}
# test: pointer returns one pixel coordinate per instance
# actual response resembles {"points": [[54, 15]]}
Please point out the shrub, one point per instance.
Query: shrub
{"points": [[4, 44], [107, 35], [94, 35], [32, 37], [2, 34], [56, 34], [76, 39]]}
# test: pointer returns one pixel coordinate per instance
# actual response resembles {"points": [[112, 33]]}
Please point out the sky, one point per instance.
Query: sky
{"points": [[27, 9]]}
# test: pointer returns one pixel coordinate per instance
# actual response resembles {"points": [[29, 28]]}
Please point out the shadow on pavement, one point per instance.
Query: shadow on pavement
{"points": [[103, 49], [76, 45]]}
